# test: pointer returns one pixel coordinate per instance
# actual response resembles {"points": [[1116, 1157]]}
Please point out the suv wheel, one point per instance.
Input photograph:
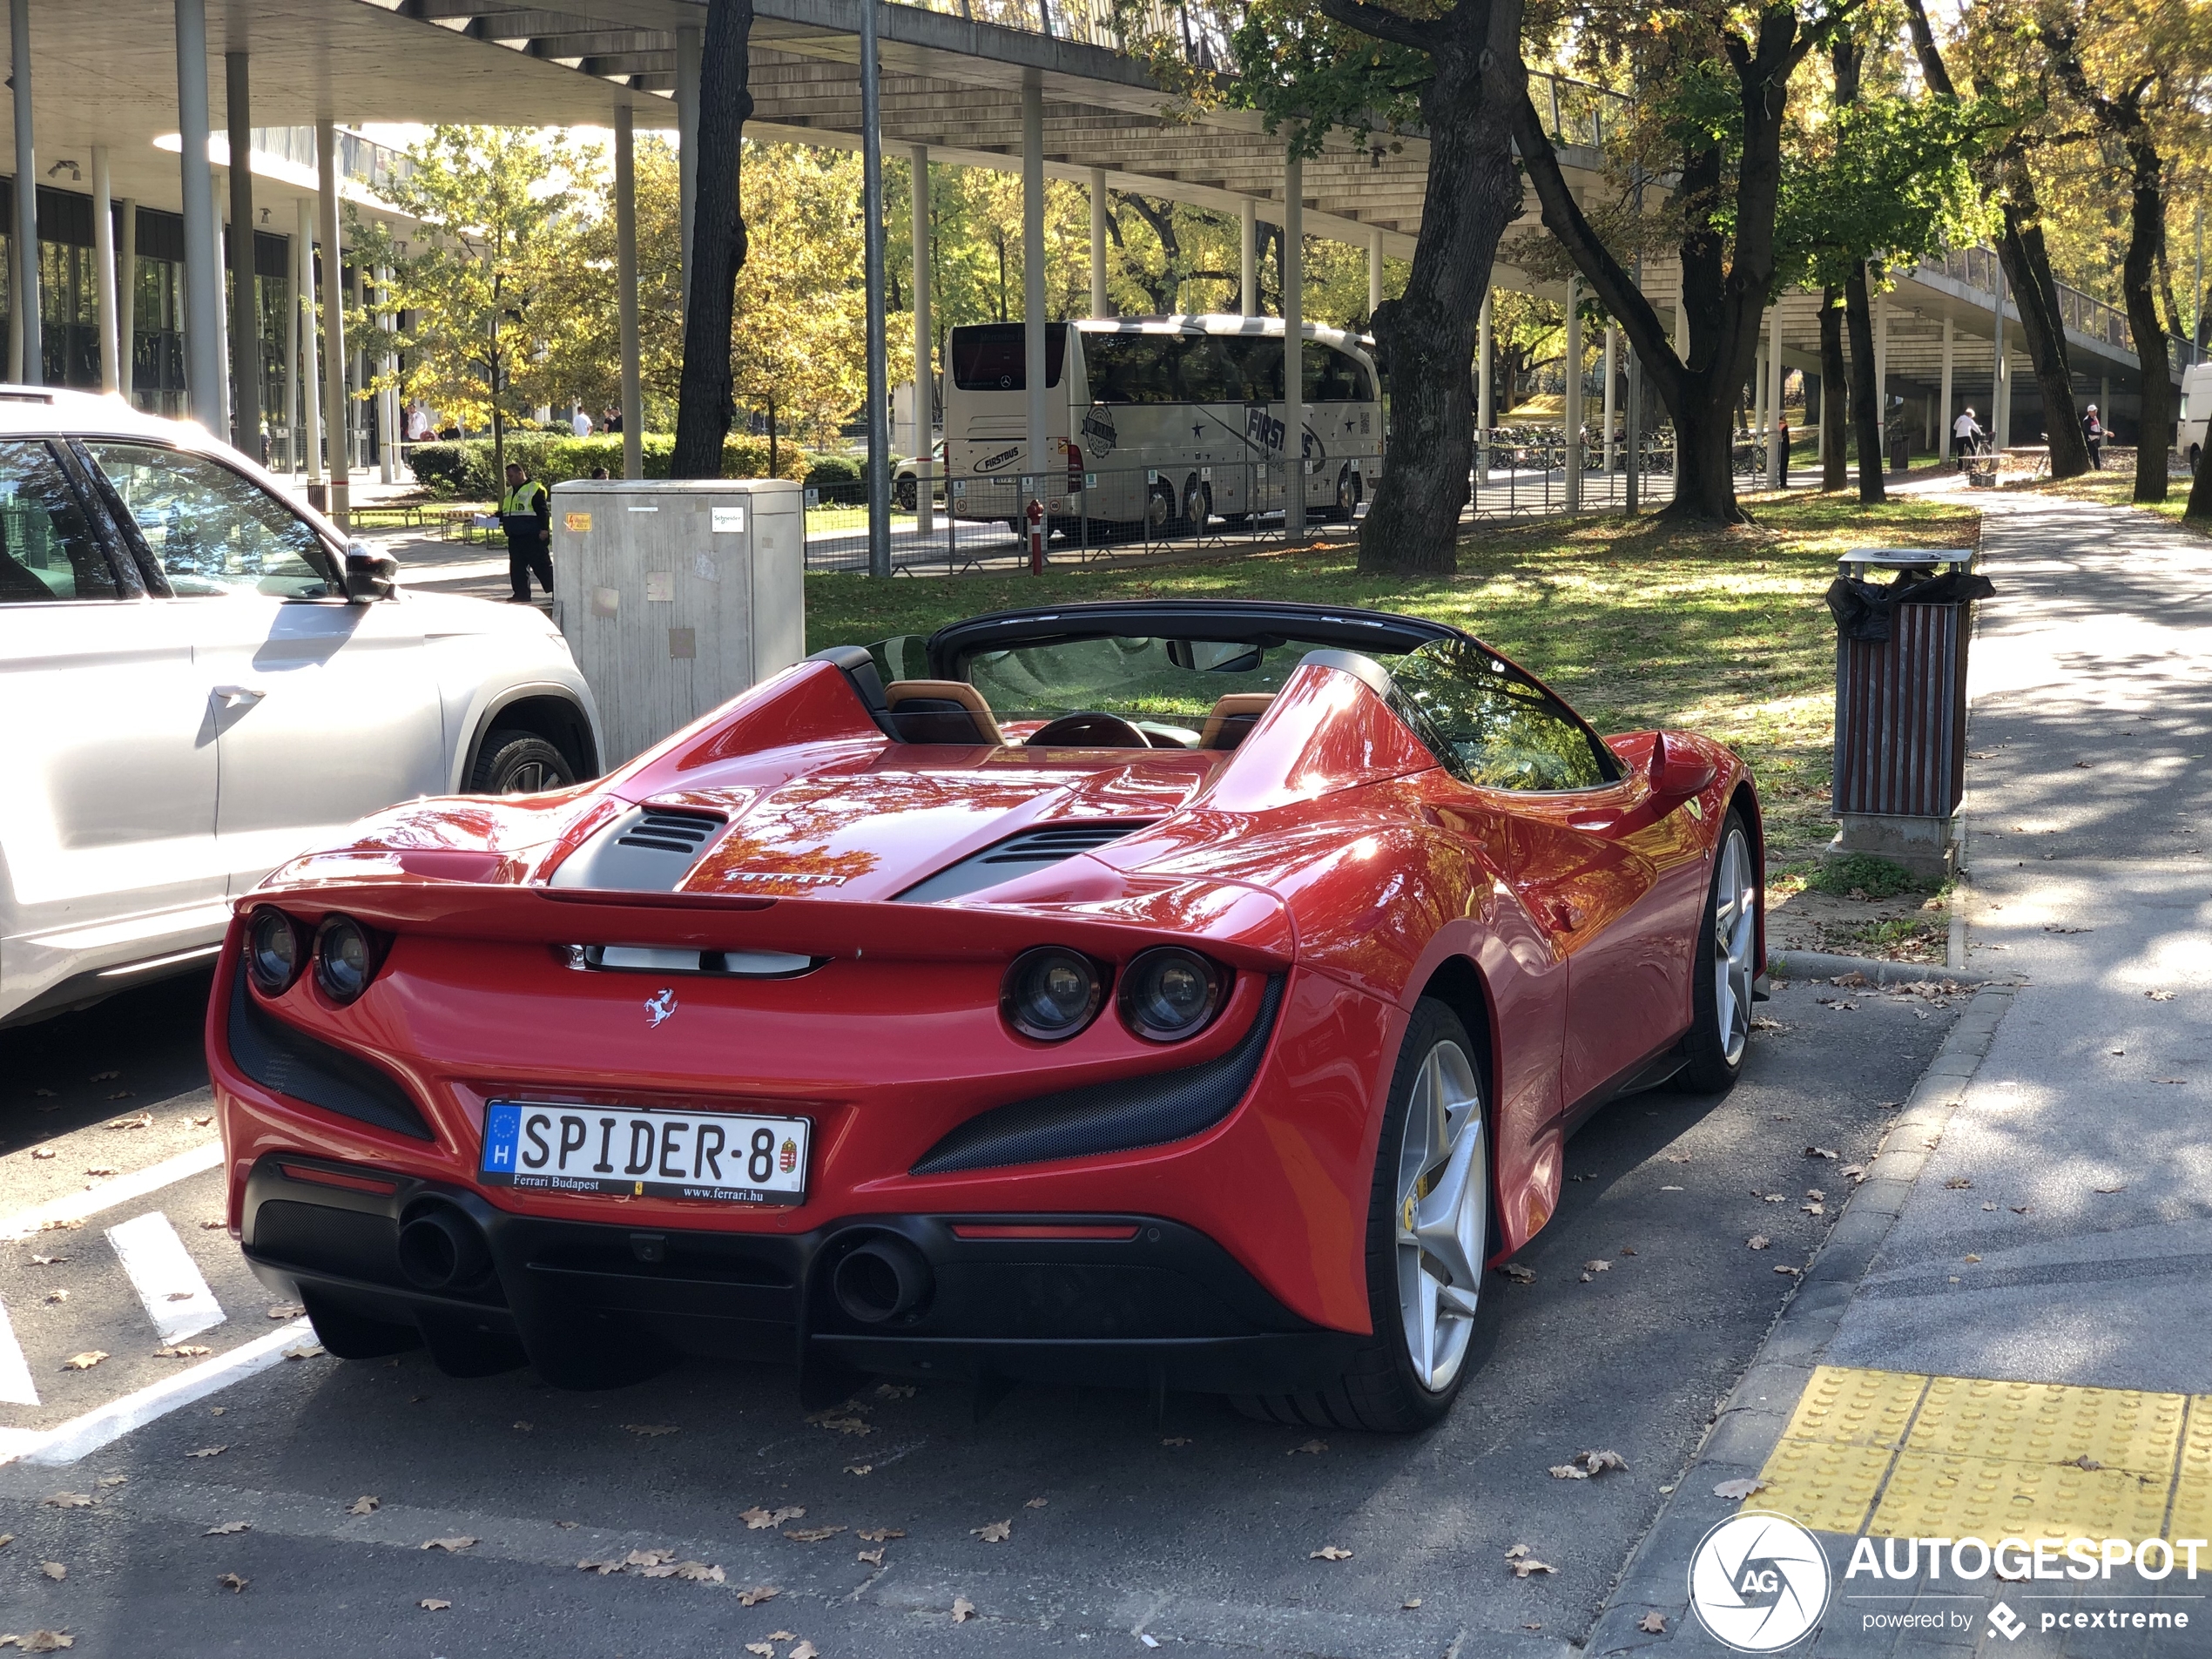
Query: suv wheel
{"points": [[519, 763]]}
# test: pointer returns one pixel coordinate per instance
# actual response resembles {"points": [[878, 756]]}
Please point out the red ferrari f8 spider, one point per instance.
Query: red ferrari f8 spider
{"points": [[1189, 996]]}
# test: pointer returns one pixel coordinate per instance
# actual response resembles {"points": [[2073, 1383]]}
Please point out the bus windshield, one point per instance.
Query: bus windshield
{"points": [[987, 357]]}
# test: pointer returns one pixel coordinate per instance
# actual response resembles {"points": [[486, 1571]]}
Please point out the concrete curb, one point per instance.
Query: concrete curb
{"points": [[1815, 964], [1744, 1431]]}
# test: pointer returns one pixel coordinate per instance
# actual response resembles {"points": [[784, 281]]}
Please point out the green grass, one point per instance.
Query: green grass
{"points": [[1719, 631]]}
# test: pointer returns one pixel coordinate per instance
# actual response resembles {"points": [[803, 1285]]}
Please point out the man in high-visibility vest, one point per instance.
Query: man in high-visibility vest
{"points": [[526, 514]]}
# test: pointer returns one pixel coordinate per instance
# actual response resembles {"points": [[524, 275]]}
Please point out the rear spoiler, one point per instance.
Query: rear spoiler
{"points": [[1244, 926]]}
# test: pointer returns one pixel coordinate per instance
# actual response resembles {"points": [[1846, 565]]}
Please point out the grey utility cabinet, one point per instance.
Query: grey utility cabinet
{"points": [[676, 594]]}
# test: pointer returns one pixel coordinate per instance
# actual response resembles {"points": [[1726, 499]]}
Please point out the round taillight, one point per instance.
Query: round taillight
{"points": [[1051, 993], [274, 955], [1169, 994], [344, 959]]}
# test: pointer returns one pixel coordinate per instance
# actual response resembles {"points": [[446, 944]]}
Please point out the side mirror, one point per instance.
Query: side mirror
{"points": [[369, 575], [1677, 775]]}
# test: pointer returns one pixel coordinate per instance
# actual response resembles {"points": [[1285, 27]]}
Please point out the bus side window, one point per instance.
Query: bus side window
{"points": [[1258, 366], [1330, 376]]}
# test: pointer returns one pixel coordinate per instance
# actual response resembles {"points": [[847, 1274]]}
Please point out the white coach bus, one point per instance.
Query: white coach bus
{"points": [[1168, 421]]}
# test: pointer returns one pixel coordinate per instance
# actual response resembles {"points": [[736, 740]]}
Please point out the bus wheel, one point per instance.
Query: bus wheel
{"points": [[1347, 506], [1198, 505], [1159, 510], [2193, 454]]}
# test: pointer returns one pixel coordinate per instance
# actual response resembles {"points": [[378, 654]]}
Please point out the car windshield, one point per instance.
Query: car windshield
{"points": [[1137, 677]]}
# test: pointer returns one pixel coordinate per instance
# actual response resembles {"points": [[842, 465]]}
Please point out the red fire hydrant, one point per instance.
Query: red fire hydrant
{"points": [[1036, 536]]}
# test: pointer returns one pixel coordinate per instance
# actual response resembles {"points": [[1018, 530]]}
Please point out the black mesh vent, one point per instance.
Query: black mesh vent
{"points": [[282, 1057], [684, 833], [1032, 849], [1117, 1117], [649, 849]]}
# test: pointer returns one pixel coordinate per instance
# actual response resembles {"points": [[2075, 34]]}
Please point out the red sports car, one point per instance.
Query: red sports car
{"points": [[1170, 995]]}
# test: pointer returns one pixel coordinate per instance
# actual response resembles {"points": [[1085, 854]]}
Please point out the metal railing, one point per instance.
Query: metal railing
{"points": [[1977, 268], [363, 161]]}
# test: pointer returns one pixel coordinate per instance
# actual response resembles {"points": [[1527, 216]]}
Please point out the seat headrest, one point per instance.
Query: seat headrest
{"points": [[941, 712], [1233, 716]]}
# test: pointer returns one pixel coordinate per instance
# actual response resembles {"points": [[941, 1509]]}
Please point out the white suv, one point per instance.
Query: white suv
{"points": [[198, 678]]}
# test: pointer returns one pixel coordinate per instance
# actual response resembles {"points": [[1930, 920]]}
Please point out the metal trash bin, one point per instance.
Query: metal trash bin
{"points": [[1900, 757]]}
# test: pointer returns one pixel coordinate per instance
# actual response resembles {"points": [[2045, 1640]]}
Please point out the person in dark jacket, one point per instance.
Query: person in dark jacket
{"points": [[2093, 434], [526, 514]]}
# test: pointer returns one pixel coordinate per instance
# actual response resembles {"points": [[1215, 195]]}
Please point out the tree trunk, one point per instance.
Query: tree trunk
{"points": [[1723, 295], [1866, 398], [2138, 276], [1835, 400], [703, 395], [1475, 193]]}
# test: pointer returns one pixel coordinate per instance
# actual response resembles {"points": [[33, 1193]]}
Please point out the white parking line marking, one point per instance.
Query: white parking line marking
{"points": [[125, 1190], [15, 1387], [170, 1287], [82, 1436]]}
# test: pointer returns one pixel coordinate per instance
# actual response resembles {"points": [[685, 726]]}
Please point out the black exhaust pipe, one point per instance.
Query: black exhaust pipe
{"points": [[440, 1248], [885, 1279]]}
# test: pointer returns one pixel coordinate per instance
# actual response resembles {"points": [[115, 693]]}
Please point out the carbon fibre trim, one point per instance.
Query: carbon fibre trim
{"points": [[1118, 1116], [279, 1056]]}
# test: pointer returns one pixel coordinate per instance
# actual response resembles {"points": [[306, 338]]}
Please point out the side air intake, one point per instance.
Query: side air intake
{"points": [[1033, 849], [647, 849]]}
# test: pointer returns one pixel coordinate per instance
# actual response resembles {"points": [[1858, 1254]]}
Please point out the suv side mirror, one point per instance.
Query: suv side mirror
{"points": [[369, 575], [1677, 775]]}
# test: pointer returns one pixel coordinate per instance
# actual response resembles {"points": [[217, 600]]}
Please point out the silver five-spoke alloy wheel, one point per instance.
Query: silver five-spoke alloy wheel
{"points": [[1443, 1214], [1736, 901]]}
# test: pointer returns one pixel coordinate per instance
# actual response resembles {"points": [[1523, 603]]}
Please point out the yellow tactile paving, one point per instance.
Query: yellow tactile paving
{"points": [[2120, 1428], [1984, 1459], [1929, 1496], [1846, 1407], [1826, 1487]]}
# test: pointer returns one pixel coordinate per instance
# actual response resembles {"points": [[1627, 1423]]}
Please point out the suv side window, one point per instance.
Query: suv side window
{"points": [[1493, 727], [213, 531], [47, 548]]}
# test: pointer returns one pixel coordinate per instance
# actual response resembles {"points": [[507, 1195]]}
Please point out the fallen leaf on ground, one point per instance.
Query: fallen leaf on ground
{"points": [[104, 1076], [210, 1226], [1958, 1184], [757, 1595], [59, 1226], [364, 1505], [803, 1650], [1519, 1274], [963, 1609], [202, 1122], [1771, 1198], [612, 1566], [1974, 1259], [647, 1557], [450, 1545], [112, 1480], [226, 1527], [844, 1424], [57, 1296], [1311, 1447], [879, 1535], [68, 1500], [137, 1120], [209, 1451], [1794, 1272], [765, 1649], [83, 1361], [812, 1534], [1597, 1264], [231, 1583], [646, 1429], [37, 1260], [2159, 996], [860, 1468], [1330, 1553], [305, 1350], [2109, 1190], [524, 1426], [1653, 1624], [183, 1350], [42, 1152], [1628, 1250], [1411, 1603], [433, 1604], [1738, 1489], [1818, 1152], [286, 1310], [1853, 1172], [2085, 1461], [996, 1532], [1176, 1439], [1583, 1465], [54, 1570], [48, 1641], [872, 1557], [1527, 1564], [1814, 1208], [2022, 1208], [1757, 1241], [759, 1519]]}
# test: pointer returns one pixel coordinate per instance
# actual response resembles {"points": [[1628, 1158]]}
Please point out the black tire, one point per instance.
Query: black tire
{"points": [[1715, 1061], [905, 495], [1379, 1392], [519, 763]]}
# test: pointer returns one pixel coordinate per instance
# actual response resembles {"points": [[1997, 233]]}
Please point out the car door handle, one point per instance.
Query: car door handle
{"points": [[234, 695]]}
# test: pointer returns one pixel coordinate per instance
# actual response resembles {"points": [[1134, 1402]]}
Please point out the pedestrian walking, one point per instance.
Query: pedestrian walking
{"points": [[526, 514], [1785, 425], [2093, 434], [1968, 435]]}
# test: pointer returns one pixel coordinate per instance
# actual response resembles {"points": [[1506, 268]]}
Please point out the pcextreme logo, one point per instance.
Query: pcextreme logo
{"points": [[1759, 1582]]}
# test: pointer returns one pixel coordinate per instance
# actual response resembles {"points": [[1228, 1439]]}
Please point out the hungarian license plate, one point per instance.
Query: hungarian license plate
{"points": [[548, 1146]]}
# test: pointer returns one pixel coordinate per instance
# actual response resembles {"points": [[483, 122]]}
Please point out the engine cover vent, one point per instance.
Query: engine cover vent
{"points": [[649, 849], [1033, 849]]}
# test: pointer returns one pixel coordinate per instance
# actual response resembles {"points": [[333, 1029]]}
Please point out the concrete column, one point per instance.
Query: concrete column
{"points": [[292, 388], [387, 366], [1758, 388], [204, 377], [1374, 274], [126, 297], [876, 347], [689, 45], [925, 336], [2104, 402], [1999, 426], [222, 309], [1033, 363], [1882, 367], [104, 272], [1098, 306], [633, 402], [1571, 424], [1612, 364], [1943, 424], [303, 302], [1682, 329], [1484, 414], [1774, 373], [334, 323], [26, 356], [245, 315], [1248, 261], [1293, 346]]}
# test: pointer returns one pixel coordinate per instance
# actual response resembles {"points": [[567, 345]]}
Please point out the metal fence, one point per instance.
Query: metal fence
{"points": [[1977, 268]]}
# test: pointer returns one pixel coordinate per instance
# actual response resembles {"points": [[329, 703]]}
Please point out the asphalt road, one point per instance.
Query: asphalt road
{"points": [[1197, 1532]]}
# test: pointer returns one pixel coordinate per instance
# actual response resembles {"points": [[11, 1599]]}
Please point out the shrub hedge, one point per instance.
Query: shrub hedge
{"points": [[462, 470]]}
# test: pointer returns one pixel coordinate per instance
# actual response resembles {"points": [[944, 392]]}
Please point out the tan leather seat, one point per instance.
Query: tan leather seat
{"points": [[941, 712], [1232, 717]]}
